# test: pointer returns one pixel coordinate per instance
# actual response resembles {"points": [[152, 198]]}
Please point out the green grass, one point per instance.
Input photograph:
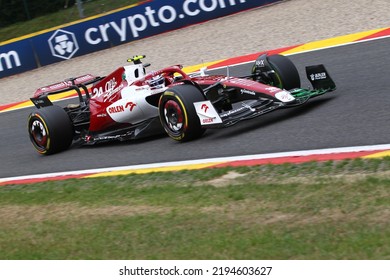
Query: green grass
{"points": [[64, 16], [330, 210]]}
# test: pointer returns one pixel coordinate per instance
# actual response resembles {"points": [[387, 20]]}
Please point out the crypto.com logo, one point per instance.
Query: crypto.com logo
{"points": [[63, 44]]}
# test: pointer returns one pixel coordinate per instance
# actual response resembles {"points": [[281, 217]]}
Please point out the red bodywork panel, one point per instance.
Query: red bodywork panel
{"points": [[104, 93], [245, 84]]}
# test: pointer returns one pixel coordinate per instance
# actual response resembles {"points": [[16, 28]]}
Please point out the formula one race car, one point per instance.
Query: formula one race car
{"points": [[130, 103]]}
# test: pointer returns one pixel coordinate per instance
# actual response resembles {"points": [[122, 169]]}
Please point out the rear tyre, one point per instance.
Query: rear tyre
{"points": [[177, 112], [50, 130], [287, 76]]}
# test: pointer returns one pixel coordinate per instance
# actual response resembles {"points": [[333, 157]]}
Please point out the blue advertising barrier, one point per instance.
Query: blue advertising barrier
{"points": [[17, 57], [139, 21]]}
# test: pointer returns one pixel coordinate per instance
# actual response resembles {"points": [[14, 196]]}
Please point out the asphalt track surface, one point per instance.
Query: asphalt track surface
{"points": [[356, 114]]}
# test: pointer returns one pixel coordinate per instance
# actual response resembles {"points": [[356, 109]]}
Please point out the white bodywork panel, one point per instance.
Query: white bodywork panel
{"points": [[132, 107], [134, 72], [284, 96], [207, 113]]}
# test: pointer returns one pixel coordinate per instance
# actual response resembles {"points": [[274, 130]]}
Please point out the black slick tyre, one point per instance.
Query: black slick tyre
{"points": [[50, 130], [177, 112], [286, 72]]}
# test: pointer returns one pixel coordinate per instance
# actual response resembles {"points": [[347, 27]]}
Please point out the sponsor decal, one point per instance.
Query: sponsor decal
{"points": [[204, 107], [208, 120], [63, 44], [9, 60], [108, 90], [260, 63], [232, 112], [116, 109], [206, 113], [58, 86], [154, 17], [84, 78], [130, 105], [284, 96], [141, 88], [251, 92], [39, 101], [111, 92], [120, 108], [318, 76]]}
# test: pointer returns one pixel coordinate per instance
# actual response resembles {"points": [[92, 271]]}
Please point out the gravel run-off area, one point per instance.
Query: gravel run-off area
{"points": [[286, 23]]}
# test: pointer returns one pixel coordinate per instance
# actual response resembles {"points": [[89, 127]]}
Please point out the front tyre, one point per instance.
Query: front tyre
{"points": [[286, 71], [177, 112], [50, 130], [277, 71]]}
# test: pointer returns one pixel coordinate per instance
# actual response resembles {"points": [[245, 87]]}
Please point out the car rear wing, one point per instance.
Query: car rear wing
{"points": [[79, 84]]}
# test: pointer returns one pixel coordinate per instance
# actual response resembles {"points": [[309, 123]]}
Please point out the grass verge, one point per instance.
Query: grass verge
{"points": [[328, 210]]}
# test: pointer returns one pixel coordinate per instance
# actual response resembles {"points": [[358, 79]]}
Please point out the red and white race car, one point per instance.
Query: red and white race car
{"points": [[130, 103]]}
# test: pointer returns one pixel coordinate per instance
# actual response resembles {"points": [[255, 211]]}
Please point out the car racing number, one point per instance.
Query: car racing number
{"points": [[107, 90]]}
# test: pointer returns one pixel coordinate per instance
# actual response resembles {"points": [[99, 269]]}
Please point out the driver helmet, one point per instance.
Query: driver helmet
{"points": [[157, 82]]}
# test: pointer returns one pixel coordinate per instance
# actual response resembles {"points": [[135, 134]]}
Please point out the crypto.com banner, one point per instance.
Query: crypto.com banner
{"points": [[139, 21]]}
